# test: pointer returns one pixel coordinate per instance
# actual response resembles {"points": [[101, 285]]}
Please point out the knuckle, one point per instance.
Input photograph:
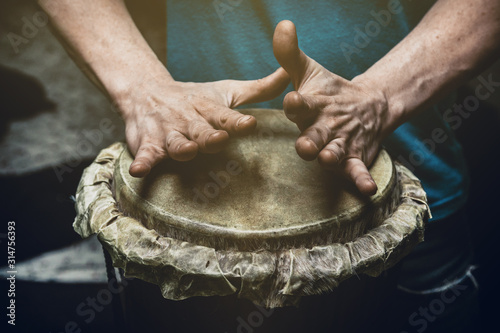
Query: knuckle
{"points": [[228, 117], [172, 137], [197, 129], [152, 150]]}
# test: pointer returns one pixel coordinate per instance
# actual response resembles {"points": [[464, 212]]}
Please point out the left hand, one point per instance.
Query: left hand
{"points": [[342, 122]]}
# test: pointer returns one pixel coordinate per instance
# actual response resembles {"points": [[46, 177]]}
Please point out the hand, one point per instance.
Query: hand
{"points": [[169, 119], [341, 121]]}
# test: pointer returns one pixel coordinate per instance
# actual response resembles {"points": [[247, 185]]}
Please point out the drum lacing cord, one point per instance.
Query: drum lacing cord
{"points": [[118, 314]]}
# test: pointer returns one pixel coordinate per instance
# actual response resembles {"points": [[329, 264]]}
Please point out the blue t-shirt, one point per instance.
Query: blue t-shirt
{"points": [[232, 39]]}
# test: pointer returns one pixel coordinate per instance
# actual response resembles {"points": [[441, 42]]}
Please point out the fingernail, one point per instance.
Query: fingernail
{"points": [[182, 145], [135, 164], [211, 136], [242, 120], [311, 141]]}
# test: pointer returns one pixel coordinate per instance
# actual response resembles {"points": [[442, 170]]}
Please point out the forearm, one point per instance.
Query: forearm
{"points": [[453, 42], [104, 41]]}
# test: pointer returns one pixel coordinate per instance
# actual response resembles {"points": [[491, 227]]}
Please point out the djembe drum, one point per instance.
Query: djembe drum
{"points": [[253, 220]]}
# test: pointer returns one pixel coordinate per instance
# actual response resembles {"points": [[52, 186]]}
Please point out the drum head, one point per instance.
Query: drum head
{"points": [[256, 193]]}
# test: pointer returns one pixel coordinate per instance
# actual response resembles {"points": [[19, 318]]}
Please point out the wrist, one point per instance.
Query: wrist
{"points": [[388, 111], [130, 85]]}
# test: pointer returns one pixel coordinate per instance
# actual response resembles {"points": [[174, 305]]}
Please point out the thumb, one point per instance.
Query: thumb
{"points": [[261, 90], [287, 52]]}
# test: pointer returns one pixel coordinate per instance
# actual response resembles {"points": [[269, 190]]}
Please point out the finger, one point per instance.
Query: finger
{"points": [[209, 140], [356, 171], [312, 140], [332, 155], [147, 156], [315, 137], [287, 52], [229, 120], [179, 147], [255, 91], [301, 109]]}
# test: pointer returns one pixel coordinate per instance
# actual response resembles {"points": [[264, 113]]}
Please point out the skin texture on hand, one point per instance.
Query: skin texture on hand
{"points": [[340, 120], [169, 119]]}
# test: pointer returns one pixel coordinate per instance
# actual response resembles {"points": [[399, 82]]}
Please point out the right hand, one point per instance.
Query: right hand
{"points": [[342, 122], [170, 119]]}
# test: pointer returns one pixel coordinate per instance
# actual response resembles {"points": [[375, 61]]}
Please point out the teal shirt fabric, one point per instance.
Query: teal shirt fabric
{"points": [[232, 39]]}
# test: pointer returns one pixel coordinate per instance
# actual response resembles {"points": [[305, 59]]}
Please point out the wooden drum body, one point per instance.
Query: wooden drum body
{"points": [[254, 219]]}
